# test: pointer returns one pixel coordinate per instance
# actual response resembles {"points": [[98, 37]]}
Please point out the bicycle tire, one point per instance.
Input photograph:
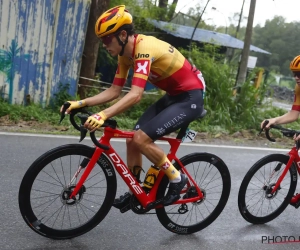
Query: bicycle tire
{"points": [[44, 188], [206, 169], [254, 180]]}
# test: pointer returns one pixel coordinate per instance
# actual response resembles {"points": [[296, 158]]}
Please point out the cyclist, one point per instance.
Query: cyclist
{"points": [[163, 65], [294, 113]]}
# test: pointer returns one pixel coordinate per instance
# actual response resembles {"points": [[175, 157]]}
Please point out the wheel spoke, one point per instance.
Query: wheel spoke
{"points": [[46, 187], [210, 176], [256, 202]]}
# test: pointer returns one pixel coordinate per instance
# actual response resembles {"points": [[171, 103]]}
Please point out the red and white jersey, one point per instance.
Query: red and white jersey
{"points": [[296, 104], [161, 64]]}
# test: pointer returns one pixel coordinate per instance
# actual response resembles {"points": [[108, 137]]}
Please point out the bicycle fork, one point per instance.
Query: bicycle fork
{"points": [[88, 165], [286, 169]]}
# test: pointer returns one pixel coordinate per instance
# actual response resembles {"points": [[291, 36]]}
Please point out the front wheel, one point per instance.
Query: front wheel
{"points": [[256, 203], [45, 189], [213, 178]]}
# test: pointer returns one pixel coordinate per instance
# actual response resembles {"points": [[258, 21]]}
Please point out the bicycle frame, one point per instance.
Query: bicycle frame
{"points": [[294, 157], [144, 198]]}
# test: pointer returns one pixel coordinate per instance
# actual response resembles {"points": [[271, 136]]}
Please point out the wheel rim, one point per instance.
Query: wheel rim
{"points": [[259, 201], [214, 183], [50, 192]]}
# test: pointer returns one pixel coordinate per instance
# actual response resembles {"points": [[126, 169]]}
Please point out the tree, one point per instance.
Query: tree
{"points": [[91, 46], [172, 10], [242, 72], [279, 38]]}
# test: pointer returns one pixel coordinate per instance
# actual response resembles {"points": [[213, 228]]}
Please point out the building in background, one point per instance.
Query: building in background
{"points": [[41, 44]]}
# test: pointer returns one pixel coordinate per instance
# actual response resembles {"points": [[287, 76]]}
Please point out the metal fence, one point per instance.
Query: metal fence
{"points": [[41, 44]]}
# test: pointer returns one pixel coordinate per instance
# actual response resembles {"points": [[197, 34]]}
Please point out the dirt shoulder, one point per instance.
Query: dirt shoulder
{"points": [[242, 138]]}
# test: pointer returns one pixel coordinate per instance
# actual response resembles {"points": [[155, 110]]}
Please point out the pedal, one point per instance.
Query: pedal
{"points": [[125, 209], [296, 205], [295, 201], [154, 204]]}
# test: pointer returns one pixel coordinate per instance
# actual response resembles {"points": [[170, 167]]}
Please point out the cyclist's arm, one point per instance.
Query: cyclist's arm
{"points": [[105, 96], [130, 99], [116, 88], [289, 117]]}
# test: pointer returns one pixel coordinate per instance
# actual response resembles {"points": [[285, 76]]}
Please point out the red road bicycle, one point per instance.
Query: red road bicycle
{"points": [[269, 185], [69, 190]]}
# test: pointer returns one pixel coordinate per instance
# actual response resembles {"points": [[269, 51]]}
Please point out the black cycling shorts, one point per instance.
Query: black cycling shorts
{"points": [[170, 113]]}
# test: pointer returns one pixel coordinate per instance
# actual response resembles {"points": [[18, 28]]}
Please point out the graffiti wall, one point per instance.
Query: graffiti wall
{"points": [[41, 44]]}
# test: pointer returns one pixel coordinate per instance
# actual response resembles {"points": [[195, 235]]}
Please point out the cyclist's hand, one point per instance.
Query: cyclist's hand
{"points": [[95, 121], [296, 137], [269, 122], [74, 105]]}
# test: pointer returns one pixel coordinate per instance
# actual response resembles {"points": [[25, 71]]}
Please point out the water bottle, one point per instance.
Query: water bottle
{"points": [[151, 177]]}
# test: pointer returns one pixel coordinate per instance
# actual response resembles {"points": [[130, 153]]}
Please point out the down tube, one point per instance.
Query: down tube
{"points": [[126, 175]]}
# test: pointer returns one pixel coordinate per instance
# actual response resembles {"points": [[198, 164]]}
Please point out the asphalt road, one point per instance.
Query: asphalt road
{"points": [[131, 231]]}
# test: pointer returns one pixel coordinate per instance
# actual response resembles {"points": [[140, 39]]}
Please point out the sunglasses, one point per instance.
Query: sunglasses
{"points": [[297, 73], [108, 39]]}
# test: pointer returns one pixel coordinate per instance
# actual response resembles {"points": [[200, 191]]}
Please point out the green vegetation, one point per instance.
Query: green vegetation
{"points": [[230, 108], [229, 111]]}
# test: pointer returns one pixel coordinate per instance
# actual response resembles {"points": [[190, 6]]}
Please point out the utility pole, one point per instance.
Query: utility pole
{"points": [[240, 19], [242, 72], [225, 19], [191, 39], [91, 47], [231, 51]]}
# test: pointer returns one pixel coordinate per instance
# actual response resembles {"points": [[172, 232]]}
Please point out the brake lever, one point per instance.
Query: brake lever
{"points": [[83, 130], [297, 145], [263, 127], [63, 112]]}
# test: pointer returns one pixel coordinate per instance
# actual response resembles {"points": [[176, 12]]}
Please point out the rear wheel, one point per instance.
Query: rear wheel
{"points": [[213, 178], [256, 203], [45, 189]]}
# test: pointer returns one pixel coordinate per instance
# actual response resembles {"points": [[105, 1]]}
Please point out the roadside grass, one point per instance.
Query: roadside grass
{"points": [[36, 119], [231, 109]]}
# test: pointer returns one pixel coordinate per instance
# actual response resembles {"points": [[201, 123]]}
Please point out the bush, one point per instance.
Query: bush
{"points": [[228, 107], [61, 96]]}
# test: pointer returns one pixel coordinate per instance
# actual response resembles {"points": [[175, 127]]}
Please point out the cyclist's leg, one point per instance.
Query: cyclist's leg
{"points": [[163, 117], [157, 156], [134, 163], [134, 156], [182, 110]]}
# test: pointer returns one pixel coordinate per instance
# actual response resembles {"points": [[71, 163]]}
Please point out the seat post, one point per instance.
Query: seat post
{"points": [[182, 132]]}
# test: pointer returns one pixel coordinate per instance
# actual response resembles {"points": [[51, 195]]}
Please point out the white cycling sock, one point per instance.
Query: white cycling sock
{"points": [[176, 180]]}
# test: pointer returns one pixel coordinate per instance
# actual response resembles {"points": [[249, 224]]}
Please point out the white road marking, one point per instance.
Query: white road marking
{"points": [[158, 142]]}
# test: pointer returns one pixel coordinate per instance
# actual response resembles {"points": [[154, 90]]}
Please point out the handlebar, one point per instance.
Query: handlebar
{"points": [[285, 132], [83, 115]]}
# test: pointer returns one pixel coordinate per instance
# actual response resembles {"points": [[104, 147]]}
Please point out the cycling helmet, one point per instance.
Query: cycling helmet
{"points": [[295, 64], [111, 20]]}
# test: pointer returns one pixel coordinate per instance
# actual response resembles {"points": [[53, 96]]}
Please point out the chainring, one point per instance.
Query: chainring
{"points": [[136, 206]]}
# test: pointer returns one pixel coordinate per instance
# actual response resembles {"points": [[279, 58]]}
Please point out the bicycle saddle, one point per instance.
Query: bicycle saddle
{"points": [[204, 112]]}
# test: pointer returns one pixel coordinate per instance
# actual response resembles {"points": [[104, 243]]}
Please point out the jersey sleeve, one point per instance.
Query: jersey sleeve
{"points": [[121, 73], [296, 104], [142, 63]]}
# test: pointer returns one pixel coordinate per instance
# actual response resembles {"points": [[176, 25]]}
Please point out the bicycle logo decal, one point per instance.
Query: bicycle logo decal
{"points": [[133, 182]]}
